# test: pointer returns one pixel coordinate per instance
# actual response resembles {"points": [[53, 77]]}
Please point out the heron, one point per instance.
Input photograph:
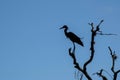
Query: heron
{"points": [[72, 36]]}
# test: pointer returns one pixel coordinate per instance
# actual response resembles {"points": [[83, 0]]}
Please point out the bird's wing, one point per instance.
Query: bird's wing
{"points": [[75, 38], [72, 35]]}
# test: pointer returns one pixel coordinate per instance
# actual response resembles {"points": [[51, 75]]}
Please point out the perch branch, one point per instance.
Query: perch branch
{"points": [[72, 54], [76, 64]]}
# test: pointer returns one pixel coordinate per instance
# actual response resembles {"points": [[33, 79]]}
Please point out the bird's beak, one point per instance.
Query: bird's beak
{"points": [[61, 28]]}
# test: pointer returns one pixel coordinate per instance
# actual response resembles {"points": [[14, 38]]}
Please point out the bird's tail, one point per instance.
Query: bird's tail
{"points": [[81, 43]]}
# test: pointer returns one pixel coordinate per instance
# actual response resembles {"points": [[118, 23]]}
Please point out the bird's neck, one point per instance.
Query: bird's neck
{"points": [[65, 31]]}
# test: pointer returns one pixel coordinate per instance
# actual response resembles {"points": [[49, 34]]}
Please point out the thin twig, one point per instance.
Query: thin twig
{"points": [[105, 34], [101, 75]]}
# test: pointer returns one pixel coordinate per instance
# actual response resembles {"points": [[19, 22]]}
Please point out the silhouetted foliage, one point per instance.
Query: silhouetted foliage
{"points": [[94, 32]]}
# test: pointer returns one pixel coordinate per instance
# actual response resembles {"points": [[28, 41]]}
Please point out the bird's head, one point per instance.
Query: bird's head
{"points": [[64, 27]]}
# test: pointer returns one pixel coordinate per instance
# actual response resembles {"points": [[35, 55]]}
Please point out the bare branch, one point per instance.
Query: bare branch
{"points": [[76, 64], [114, 57], [100, 24], [101, 75], [94, 32], [81, 77], [105, 34], [110, 50]]}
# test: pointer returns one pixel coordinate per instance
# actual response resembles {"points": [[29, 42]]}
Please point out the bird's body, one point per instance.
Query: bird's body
{"points": [[72, 36]]}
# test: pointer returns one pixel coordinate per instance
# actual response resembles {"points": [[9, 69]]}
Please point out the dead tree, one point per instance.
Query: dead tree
{"points": [[94, 32]]}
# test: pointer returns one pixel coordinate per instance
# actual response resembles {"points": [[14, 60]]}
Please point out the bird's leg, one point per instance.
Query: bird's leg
{"points": [[73, 47]]}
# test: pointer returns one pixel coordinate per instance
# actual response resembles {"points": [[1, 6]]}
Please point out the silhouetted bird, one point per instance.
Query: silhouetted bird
{"points": [[72, 36]]}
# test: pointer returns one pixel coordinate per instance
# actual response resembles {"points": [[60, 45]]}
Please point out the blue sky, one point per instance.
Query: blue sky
{"points": [[33, 48]]}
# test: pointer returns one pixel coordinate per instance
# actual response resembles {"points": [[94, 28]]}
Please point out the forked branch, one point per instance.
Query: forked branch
{"points": [[114, 57], [76, 64], [94, 32], [100, 74]]}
